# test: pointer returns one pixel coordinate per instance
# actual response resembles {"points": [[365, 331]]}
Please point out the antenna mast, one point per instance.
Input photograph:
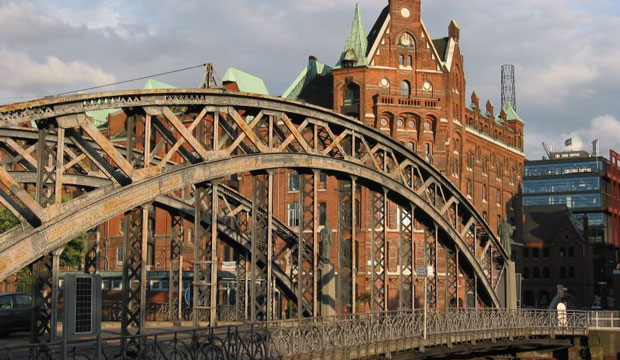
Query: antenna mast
{"points": [[509, 92]]}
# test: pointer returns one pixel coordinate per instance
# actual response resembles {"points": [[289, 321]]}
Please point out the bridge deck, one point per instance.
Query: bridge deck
{"points": [[396, 335]]}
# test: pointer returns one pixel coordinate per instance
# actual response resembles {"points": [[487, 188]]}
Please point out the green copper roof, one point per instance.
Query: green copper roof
{"points": [[357, 43], [246, 82], [304, 78], [154, 84], [511, 114], [100, 117]]}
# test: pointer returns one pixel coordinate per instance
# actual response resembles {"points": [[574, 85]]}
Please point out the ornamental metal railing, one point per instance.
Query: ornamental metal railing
{"points": [[287, 339]]}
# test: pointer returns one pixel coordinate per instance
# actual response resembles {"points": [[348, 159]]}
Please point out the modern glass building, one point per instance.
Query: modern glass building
{"points": [[582, 183]]}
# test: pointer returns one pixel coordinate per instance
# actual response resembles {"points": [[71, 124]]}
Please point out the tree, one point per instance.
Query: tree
{"points": [[71, 256], [7, 220], [73, 253]]}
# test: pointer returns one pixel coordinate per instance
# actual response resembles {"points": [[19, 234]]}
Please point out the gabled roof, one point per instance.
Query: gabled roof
{"points": [[543, 222], [356, 47], [511, 114], [376, 29], [246, 82], [308, 74], [442, 47], [155, 84]]}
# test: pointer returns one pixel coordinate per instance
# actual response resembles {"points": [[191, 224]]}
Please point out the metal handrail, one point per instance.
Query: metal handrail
{"points": [[289, 338]]}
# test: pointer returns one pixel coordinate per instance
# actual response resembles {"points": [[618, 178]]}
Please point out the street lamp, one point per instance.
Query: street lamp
{"points": [[427, 272]]}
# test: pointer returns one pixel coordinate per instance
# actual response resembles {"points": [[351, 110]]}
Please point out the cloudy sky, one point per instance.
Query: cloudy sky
{"points": [[566, 52]]}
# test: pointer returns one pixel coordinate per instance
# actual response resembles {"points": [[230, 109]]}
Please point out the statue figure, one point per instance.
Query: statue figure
{"points": [[326, 243], [505, 232]]}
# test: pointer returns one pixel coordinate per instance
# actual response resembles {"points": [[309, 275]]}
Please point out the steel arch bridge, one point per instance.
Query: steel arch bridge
{"points": [[179, 147]]}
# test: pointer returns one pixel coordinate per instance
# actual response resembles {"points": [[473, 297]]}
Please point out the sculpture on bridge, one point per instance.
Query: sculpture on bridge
{"points": [[505, 232], [326, 243]]}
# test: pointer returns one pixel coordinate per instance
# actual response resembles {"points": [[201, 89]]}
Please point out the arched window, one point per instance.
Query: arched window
{"points": [[546, 273], [562, 253], [470, 161], [536, 253], [536, 273], [571, 252], [405, 88], [410, 61], [401, 60], [571, 272], [526, 253], [562, 273], [526, 273], [351, 94]]}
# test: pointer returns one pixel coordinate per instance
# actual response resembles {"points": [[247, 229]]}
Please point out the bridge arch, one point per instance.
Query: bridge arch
{"points": [[211, 134]]}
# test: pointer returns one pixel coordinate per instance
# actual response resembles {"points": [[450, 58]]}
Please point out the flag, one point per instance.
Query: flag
{"points": [[568, 142]]}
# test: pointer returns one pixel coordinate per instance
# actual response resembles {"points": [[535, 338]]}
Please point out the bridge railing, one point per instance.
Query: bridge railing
{"points": [[291, 338], [604, 319], [351, 331]]}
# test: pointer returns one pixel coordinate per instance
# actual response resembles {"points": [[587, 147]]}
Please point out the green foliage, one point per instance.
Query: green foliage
{"points": [[7, 220], [24, 275], [73, 253], [364, 298]]}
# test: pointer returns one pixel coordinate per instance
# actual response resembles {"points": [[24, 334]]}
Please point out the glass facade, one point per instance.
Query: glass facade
{"points": [[561, 185], [596, 225], [573, 201], [578, 167]]}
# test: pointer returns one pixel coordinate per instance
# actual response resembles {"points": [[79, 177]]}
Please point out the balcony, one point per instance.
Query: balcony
{"points": [[407, 101]]}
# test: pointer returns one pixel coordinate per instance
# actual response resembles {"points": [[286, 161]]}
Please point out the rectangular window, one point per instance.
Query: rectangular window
{"points": [[293, 214], [469, 188], [293, 181], [322, 213], [120, 255], [498, 197], [117, 284], [322, 181]]}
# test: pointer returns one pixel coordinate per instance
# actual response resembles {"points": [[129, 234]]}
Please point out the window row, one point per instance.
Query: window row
{"points": [[546, 273], [294, 183], [563, 168], [561, 185], [572, 201], [294, 214], [536, 253]]}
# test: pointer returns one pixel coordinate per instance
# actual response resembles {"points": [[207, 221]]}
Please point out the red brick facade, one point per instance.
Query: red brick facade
{"points": [[413, 90]]}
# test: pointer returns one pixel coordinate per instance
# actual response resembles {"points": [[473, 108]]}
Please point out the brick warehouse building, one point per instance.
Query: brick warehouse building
{"points": [[411, 87]]}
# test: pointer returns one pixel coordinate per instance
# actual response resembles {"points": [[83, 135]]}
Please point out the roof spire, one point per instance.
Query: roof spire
{"points": [[355, 48]]}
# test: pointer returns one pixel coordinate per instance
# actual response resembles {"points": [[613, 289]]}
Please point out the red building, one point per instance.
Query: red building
{"points": [[410, 86]]}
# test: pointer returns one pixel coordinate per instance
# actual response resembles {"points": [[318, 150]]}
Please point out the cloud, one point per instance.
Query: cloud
{"points": [[565, 51], [48, 76], [605, 128]]}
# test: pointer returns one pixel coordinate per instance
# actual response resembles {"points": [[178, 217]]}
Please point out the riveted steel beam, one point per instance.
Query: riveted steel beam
{"points": [[92, 211]]}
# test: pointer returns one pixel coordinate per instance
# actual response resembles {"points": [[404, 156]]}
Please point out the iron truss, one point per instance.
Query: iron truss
{"points": [[180, 138]]}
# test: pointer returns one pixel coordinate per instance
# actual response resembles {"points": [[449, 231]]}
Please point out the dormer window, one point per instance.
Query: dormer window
{"points": [[406, 40]]}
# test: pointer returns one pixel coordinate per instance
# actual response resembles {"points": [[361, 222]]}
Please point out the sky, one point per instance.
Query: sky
{"points": [[565, 51]]}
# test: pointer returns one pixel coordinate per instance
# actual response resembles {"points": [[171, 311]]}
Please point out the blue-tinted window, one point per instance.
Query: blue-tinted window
{"points": [[563, 168], [561, 185], [573, 201]]}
